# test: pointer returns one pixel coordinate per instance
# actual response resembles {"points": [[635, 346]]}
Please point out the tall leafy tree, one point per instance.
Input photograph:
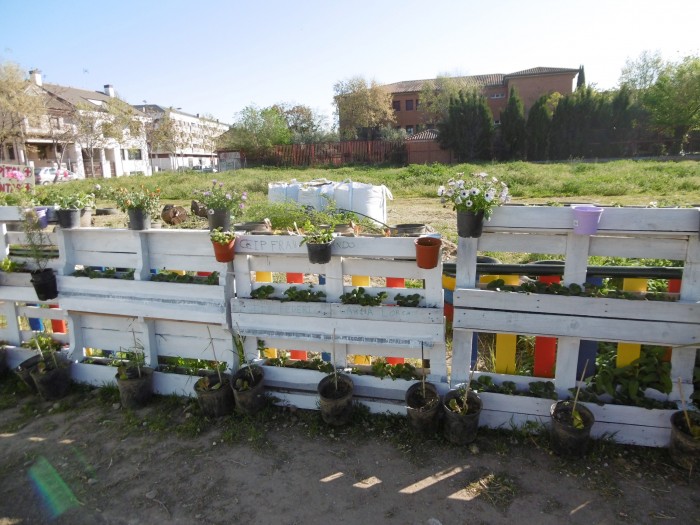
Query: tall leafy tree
{"points": [[362, 108], [581, 79], [435, 96], [513, 123], [539, 122], [256, 131], [641, 74], [673, 101], [19, 100], [468, 130], [573, 122]]}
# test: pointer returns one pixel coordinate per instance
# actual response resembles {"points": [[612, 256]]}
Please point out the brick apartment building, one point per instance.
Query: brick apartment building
{"points": [[530, 84]]}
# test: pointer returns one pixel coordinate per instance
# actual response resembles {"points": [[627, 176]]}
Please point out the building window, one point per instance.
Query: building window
{"points": [[498, 95], [417, 104], [496, 122], [53, 122], [134, 154], [409, 105], [409, 130], [10, 152], [396, 104]]}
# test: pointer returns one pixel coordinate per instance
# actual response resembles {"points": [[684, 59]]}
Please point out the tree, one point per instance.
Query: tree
{"points": [[513, 127], [581, 79], [673, 101], [539, 122], [19, 100], [468, 130], [256, 131], [435, 96], [306, 125], [362, 108], [161, 132], [642, 73]]}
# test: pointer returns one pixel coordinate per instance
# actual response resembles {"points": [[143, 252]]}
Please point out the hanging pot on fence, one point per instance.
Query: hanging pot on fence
{"points": [[460, 426], [423, 408], [219, 218], [135, 390], [224, 252], [335, 393], [139, 219], [427, 252], [52, 380], [215, 397], [567, 439], [68, 218], [469, 223], [249, 392], [42, 216], [684, 448], [586, 219], [44, 282], [319, 253]]}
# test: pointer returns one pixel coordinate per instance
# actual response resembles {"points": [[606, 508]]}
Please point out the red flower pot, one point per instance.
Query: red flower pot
{"points": [[224, 252]]}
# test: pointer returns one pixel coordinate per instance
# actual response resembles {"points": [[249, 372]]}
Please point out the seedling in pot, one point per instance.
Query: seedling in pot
{"points": [[238, 342], [577, 420], [205, 383], [461, 406]]}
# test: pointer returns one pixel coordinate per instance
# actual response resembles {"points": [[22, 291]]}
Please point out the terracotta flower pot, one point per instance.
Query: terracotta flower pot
{"points": [[224, 252], [427, 252]]}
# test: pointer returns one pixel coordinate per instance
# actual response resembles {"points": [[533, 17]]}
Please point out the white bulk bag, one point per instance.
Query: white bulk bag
{"points": [[365, 199], [283, 191], [316, 194]]}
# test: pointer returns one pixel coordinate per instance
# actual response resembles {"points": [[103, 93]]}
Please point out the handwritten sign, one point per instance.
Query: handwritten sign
{"points": [[14, 177]]}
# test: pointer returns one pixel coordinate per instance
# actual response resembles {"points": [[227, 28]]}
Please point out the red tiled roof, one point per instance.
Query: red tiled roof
{"points": [[428, 134], [493, 79]]}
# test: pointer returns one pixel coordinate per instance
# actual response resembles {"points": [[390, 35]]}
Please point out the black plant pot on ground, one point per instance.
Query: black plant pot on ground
{"points": [[24, 370], [44, 282], [460, 425], [335, 393], [135, 390], [249, 392], [568, 437], [684, 447], [215, 398], [52, 379], [423, 408]]}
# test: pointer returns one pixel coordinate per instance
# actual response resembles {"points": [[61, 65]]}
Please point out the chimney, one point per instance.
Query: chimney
{"points": [[109, 90], [35, 77]]}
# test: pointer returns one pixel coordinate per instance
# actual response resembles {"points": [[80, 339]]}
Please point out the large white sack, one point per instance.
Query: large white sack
{"points": [[316, 194], [365, 199], [283, 191]]}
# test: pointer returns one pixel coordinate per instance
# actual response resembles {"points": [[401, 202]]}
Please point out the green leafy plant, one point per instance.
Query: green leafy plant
{"points": [[312, 234], [140, 198], [219, 197], [407, 300], [8, 265], [380, 368], [219, 236], [304, 295], [361, 297], [75, 201], [263, 292], [136, 359], [107, 273], [37, 241]]}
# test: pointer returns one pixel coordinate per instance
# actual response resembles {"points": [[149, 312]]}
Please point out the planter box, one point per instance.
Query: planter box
{"points": [[353, 324], [181, 385], [11, 213], [17, 286], [623, 424], [177, 301], [94, 374], [652, 322]]}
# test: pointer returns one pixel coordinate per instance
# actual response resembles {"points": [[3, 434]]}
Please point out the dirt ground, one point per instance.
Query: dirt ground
{"points": [[85, 460]]}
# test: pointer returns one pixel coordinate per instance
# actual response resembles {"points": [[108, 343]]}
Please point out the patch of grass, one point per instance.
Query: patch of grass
{"points": [[498, 489]]}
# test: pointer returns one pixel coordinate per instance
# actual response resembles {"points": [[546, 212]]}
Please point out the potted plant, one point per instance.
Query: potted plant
{"points": [[684, 447], [222, 204], [473, 199], [223, 242], [423, 407], [335, 394], [462, 407], [71, 206], [427, 252], [318, 240], [214, 392], [248, 381], [139, 203], [51, 375], [571, 424], [43, 278], [45, 345], [134, 379]]}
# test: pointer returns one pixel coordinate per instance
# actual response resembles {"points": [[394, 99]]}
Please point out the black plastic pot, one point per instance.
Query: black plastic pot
{"points": [[567, 440], [219, 219], [470, 224], [52, 383], [249, 393], [336, 403], [684, 449], [423, 410], [461, 429], [215, 401], [44, 282], [68, 218], [135, 391], [3, 361], [24, 369], [319, 253]]}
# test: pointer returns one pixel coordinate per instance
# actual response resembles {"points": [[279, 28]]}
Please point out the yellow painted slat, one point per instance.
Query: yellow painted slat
{"points": [[505, 353]]}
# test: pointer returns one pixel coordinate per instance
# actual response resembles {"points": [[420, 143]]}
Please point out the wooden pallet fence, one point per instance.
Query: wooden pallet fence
{"points": [[634, 233]]}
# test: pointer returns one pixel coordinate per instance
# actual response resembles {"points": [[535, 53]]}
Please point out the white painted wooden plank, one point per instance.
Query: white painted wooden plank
{"points": [[599, 329], [395, 247], [196, 330], [690, 285], [177, 384], [639, 247], [680, 312], [567, 364], [15, 355], [462, 341], [525, 242], [20, 294], [11, 213]]}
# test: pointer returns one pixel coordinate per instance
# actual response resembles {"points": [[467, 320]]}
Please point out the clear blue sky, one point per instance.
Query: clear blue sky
{"points": [[218, 56]]}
